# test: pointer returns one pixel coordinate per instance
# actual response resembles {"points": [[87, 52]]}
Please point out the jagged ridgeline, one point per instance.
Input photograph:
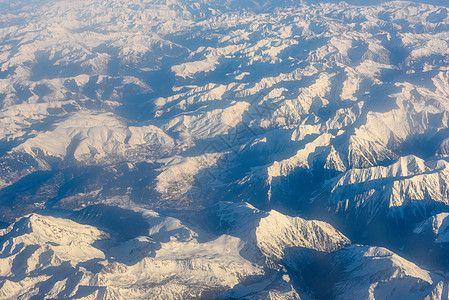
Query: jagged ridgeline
{"points": [[224, 149]]}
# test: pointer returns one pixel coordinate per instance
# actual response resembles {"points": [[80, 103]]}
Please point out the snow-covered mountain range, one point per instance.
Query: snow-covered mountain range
{"points": [[224, 149]]}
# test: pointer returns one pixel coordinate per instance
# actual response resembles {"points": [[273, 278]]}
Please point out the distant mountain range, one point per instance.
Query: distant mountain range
{"points": [[224, 149]]}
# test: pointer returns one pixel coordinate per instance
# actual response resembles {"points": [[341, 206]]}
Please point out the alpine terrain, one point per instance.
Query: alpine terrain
{"points": [[224, 149]]}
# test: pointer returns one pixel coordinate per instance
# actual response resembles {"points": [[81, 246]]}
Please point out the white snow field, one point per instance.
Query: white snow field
{"points": [[185, 149]]}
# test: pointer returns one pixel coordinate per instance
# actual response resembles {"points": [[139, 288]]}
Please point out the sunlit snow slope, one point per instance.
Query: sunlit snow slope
{"points": [[266, 134]]}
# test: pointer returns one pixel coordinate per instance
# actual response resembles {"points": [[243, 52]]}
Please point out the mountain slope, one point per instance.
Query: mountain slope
{"points": [[178, 131], [173, 259]]}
